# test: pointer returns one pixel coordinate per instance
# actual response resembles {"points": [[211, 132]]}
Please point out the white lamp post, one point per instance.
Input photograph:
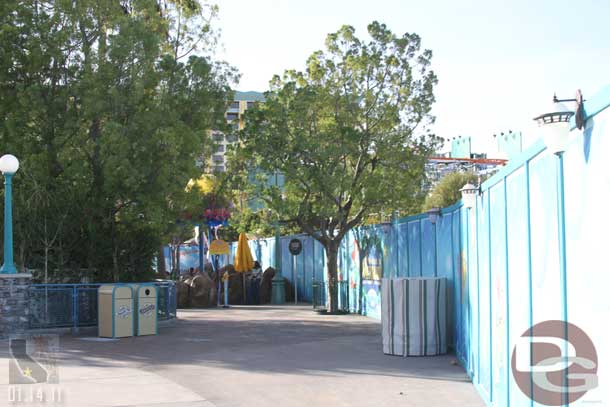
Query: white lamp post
{"points": [[469, 195], [9, 164]]}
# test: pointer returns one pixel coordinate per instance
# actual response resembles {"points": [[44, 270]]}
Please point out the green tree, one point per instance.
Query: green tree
{"points": [[349, 134], [447, 191], [108, 106]]}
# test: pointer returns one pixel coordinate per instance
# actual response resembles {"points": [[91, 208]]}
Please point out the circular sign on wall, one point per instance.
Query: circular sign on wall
{"points": [[295, 246], [554, 363]]}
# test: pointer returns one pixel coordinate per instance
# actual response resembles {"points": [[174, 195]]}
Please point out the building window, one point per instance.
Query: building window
{"points": [[220, 149], [217, 158], [232, 116], [232, 138], [218, 168], [235, 104], [218, 137], [250, 104]]}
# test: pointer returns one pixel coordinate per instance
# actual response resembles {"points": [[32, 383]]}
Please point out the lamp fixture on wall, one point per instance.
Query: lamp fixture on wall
{"points": [[555, 124]]}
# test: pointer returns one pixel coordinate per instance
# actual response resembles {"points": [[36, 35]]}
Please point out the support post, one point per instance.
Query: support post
{"points": [[278, 293], [561, 213], [201, 248], [8, 267]]}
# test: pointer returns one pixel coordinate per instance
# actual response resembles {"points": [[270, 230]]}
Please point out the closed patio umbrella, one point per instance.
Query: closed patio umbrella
{"points": [[243, 259]]}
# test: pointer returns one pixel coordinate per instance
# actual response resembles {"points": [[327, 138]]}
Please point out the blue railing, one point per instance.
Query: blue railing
{"points": [[75, 305]]}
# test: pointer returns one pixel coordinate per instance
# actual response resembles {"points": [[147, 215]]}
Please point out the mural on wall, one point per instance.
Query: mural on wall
{"points": [[372, 266], [371, 305], [189, 257], [367, 251]]}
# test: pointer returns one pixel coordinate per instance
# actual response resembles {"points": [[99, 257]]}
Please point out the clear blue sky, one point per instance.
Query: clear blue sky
{"points": [[498, 62]]}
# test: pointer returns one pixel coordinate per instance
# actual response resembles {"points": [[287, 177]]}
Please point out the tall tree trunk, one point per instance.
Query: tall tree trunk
{"points": [[332, 252], [161, 261]]}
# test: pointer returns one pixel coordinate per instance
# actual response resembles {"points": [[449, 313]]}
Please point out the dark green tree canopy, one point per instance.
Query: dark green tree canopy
{"points": [[107, 104], [349, 133]]}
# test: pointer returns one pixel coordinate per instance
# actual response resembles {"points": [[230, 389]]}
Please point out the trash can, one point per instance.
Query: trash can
{"points": [[115, 311], [414, 316], [146, 309]]}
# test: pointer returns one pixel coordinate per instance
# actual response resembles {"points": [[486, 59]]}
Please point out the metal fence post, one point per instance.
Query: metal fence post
{"points": [[75, 309], [168, 298]]}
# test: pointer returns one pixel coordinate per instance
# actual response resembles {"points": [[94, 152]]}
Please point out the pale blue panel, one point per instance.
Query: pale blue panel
{"points": [[518, 269], [348, 268], [458, 317], [319, 262], [546, 278], [445, 266], [402, 255], [414, 247], [390, 249], [428, 249], [473, 297], [444, 249], [500, 367], [485, 301], [587, 202], [286, 259]]}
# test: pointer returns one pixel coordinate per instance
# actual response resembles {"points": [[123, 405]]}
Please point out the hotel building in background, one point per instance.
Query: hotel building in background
{"points": [[242, 101]]}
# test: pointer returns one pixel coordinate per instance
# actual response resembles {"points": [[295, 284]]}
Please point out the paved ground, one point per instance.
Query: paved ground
{"points": [[250, 356]]}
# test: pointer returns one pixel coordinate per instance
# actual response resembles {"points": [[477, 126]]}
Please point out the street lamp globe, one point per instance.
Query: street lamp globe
{"points": [[469, 195], [9, 164], [555, 127]]}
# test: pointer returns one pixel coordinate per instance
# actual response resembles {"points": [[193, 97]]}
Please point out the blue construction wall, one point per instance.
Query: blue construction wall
{"points": [[501, 258], [511, 277], [410, 246]]}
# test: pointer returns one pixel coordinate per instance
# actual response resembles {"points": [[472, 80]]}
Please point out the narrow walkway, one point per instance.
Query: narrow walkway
{"points": [[255, 356]]}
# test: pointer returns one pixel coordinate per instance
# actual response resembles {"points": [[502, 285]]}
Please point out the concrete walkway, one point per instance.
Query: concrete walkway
{"points": [[252, 356]]}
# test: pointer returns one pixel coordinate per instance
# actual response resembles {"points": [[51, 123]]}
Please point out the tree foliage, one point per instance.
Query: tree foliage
{"points": [[107, 104], [447, 191], [349, 134]]}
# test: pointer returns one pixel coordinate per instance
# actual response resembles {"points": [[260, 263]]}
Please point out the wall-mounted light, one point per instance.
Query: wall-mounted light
{"points": [[469, 195], [555, 124], [434, 214]]}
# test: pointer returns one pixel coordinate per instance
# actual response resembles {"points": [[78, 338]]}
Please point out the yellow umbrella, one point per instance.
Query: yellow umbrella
{"points": [[243, 256], [243, 259]]}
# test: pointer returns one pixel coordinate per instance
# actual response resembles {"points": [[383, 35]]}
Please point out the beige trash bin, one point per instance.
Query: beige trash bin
{"points": [[115, 311], [146, 309]]}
